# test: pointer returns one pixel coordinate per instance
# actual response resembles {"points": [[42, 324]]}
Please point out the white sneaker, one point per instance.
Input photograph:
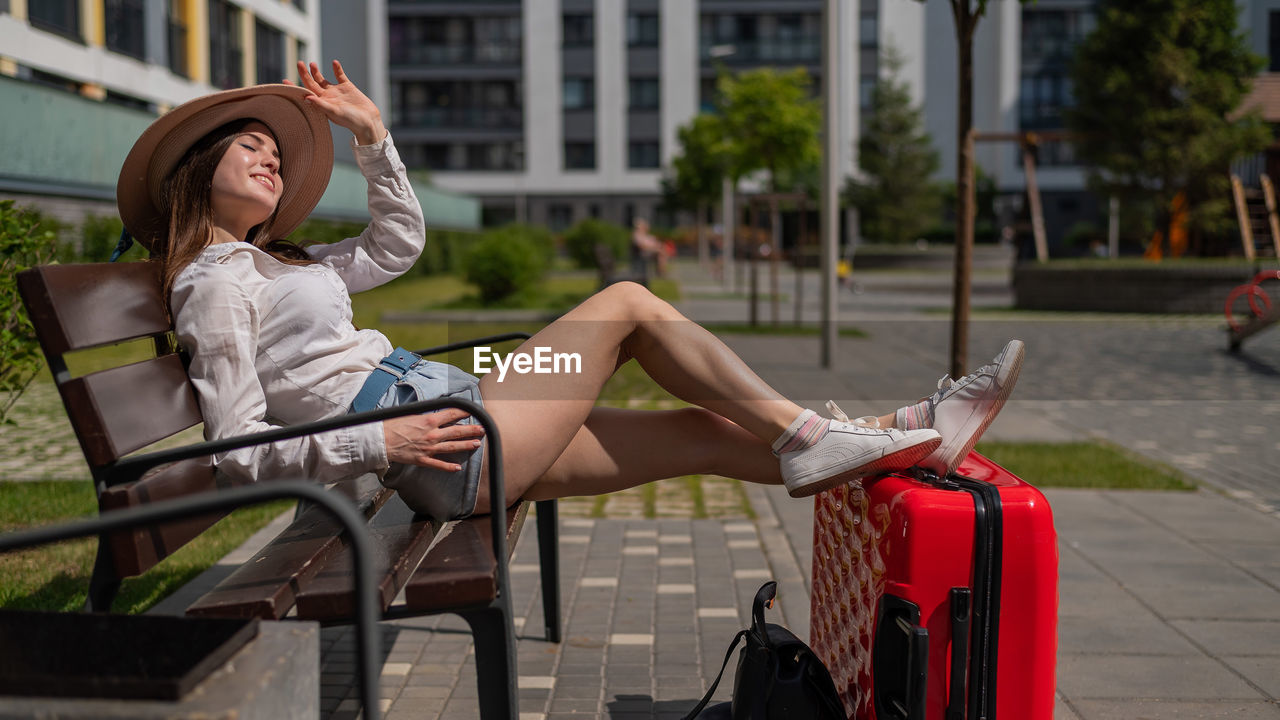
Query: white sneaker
{"points": [[964, 408], [848, 452]]}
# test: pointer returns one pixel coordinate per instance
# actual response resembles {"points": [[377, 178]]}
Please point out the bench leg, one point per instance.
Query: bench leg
{"points": [[104, 582], [549, 559], [495, 640]]}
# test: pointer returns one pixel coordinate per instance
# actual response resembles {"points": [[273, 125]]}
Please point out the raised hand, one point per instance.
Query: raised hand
{"points": [[342, 102]]}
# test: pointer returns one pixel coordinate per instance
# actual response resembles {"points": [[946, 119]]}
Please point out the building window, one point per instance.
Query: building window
{"points": [[643, 93], [269, 44], [493, 156], [642, 154], [59, 16], [503, 155], [178, 38], [300, 51], [226, 57], [455, 40], [866, 89], [579, 156], [708, 94], [579, 31], [493, 104], [1273, 40], [868, 32], [559, 216], [123, 22], [498, 40], [1049, 40], [579, 93], [642, 30]]}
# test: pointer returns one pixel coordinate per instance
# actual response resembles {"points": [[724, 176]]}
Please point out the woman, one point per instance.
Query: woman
{"points": [[211, 188]]}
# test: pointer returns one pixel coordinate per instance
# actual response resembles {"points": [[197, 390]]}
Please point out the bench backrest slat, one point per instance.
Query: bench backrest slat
{"points": [[136, 550], [74, 307], [124, 409], [119, 410]]}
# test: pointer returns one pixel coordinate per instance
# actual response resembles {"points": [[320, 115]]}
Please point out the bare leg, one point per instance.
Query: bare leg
{"points": [[538, 415], [619, 449]]}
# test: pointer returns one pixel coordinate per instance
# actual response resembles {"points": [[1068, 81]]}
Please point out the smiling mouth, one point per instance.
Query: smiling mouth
{"points": [[265, 181]]}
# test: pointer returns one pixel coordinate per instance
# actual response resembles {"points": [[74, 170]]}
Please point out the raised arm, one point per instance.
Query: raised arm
{"points": [[397, 232]]}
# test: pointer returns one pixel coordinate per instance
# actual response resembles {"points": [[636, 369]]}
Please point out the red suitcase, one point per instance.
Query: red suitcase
{"points": [[937, 600]]}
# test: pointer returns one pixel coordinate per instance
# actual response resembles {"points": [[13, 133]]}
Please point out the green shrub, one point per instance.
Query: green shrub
{"points": [[540, 236], [444, 251], [24, 242], [580, 241], [314, 231], [506, 261], [98, 237]]}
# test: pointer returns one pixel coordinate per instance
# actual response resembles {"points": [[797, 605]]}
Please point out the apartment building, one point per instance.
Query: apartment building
{"points": [[555, 110], [81, 79]]}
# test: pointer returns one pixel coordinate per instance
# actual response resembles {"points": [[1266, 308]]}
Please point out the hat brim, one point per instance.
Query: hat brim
{"points": [[302, 136]]}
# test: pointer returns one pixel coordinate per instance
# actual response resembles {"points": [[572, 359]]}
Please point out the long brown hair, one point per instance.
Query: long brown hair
{"points": [[187, 200]]}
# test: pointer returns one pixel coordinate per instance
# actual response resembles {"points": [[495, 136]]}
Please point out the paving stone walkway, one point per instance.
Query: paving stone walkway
{"points": [[1170, 602], [649, 608]]}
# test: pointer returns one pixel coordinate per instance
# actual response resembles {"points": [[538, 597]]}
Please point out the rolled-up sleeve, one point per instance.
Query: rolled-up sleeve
{"points": [[397, 230], [218, 324]]}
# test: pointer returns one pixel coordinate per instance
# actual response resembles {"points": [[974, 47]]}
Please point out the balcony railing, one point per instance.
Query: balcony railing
{"points": [[488, 53], [807, 49], [463, 118]]}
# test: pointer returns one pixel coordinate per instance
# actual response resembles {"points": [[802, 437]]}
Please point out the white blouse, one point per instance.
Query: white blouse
{"points": [[273, 344]]}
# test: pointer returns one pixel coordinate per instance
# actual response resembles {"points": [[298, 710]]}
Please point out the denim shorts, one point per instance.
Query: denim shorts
{"points": [[439, 494]]}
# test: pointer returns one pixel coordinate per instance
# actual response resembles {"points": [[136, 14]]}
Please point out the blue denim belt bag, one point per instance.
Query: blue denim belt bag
{"points": [[400, 378]]}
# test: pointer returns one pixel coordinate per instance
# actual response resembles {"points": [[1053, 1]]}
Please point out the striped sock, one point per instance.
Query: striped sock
{"points": [[915, 417], [807, 429]]}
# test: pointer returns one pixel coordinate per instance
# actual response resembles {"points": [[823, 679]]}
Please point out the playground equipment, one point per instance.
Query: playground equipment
{"points": [[1256, 214], [1263, 313]]}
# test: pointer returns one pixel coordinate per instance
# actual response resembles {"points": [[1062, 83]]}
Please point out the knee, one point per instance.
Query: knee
{"points": [[636, 302]]}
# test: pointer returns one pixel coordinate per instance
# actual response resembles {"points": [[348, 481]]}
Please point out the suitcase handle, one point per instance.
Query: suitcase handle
{"points": [[900, 661], [960, 597]]}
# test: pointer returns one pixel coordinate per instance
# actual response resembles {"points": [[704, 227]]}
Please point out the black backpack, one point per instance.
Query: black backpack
{"points": [[778, 675]]}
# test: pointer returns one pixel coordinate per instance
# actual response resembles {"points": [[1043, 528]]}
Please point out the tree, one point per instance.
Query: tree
{"points": [[896, 199], [966, 15], [1156, 86], [773, 122], [706, 157]]}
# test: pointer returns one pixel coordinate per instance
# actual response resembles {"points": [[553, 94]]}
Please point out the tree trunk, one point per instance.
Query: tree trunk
{"points": [[965, 200]]}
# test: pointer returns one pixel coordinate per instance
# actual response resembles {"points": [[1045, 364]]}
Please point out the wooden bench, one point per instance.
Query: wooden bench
{"points": [[305, 572]]}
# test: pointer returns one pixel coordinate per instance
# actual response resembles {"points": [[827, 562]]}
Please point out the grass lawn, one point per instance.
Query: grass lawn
{"points": [[56, 577], [1082, 465]]}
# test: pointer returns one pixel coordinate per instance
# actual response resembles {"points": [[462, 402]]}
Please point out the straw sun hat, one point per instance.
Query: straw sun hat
{"points": [[302, 136]]}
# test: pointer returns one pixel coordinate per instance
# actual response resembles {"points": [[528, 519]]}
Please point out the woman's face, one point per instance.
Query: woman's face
{"points": [[246, 184]]}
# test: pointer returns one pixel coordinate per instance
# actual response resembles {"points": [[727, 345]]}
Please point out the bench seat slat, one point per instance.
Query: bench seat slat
{"points": [[267, 584], [399, 539], [460, 570]]}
